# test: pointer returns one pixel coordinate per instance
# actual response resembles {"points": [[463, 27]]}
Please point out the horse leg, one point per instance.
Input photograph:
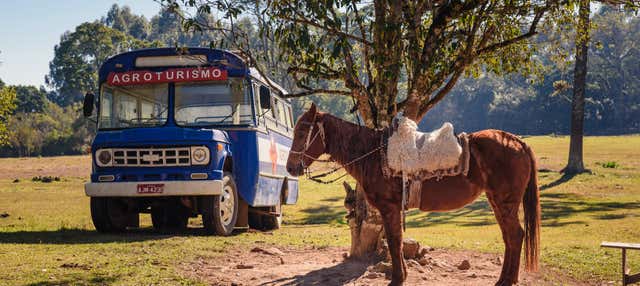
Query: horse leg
{"points": [[393, 229], [512, 233]]}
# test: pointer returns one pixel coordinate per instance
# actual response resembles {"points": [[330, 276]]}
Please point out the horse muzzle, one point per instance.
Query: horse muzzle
{"points": [[296, 170]]}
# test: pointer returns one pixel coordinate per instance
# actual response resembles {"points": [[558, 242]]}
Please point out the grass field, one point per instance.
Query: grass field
{"points": [[46, 235]]}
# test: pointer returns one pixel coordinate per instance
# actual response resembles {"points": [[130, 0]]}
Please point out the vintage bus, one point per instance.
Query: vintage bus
{"points": [[188, 132]]}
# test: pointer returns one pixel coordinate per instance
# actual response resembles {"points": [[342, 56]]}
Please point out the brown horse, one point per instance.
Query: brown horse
{"points": [[501, 165]]}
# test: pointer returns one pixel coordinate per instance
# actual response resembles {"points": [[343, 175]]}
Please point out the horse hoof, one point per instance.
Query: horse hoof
{"points": [[503, 283]]}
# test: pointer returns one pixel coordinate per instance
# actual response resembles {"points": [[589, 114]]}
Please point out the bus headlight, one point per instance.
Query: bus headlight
{"points": [[199, 155], [104, 158]]}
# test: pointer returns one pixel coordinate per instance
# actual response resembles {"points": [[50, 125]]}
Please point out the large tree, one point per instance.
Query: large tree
{"points": [[614, 71], [30, 99], [7, 105], [124, 20], [575, 163], [370, 47], [78, 56]]}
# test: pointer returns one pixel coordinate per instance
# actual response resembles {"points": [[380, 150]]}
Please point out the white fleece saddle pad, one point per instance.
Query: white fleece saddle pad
{"points": [[414, 152]]}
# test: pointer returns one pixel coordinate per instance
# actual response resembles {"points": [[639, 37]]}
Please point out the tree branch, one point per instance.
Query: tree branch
{"points": [[325, 28], [329, 74], [441, 93], [363, 34], [318, 90], [532, 32]]}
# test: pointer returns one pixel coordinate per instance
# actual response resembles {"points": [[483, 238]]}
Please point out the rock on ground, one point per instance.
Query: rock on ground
{"points": [[410, 248], [464, 265]]}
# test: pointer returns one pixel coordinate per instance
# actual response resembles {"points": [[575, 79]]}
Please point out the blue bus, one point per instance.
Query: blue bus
{"points": [[188, 132]]}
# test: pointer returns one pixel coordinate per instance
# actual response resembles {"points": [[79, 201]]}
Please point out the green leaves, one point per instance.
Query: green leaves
{"points": [[7, 105], [78, 56]]}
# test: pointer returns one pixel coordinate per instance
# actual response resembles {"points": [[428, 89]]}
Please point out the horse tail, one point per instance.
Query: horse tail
{"points": [[531, 206]]}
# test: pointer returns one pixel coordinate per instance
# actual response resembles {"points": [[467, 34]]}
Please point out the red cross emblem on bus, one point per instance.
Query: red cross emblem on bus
{"points": [[273, 154]]}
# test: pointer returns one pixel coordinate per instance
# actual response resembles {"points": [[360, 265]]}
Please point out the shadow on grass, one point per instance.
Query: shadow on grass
{"points": [[321, 215], [556, 206], [474, 214], [565, 178], [95, 279], [333, 199], [83, 236], [611, 216], [339, 274], [557, 210]]}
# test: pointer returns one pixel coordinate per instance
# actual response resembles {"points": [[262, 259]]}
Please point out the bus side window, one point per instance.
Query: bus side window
{"points": [[282, 117], [256, 97], [290, 116], [275, 109], [287, 116]]}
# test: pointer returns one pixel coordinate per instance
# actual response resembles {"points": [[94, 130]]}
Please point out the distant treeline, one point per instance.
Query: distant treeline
{"points": [[47, 120], [513, 103]]}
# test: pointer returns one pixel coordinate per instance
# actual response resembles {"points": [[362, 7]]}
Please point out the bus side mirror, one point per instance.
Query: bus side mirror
{"points": [[89, 102], [265, 97]]}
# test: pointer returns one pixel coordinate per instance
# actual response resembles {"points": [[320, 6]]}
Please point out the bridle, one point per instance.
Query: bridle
{"points": [[310, 140]]}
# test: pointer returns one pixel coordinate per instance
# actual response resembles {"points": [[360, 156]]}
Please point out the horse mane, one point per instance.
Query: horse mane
{"points": [[346, 141]]}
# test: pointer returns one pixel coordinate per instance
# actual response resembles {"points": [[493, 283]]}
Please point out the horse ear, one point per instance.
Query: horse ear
{"points": [[313, 108]]}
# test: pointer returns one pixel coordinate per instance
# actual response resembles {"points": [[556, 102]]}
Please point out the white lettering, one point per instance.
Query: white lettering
{"points": [[216, 73], [204, 73], [115, 79], [195, 74], [136, 77], [158, 76], [179, 75], [126, 77], [147, 76], [170, 75]]}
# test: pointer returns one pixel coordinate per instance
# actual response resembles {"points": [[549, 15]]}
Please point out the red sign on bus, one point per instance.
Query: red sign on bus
{"points": [[171, 75]]}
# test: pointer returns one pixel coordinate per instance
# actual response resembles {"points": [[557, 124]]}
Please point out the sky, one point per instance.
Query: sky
{"points": [[29, 29]]}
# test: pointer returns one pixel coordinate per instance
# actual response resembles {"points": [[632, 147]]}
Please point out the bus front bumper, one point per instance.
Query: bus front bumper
{"points": [[154, 189]]}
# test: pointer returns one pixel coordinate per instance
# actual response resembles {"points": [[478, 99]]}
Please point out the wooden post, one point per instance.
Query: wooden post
{"points": [[627, 277], [624, 267]]}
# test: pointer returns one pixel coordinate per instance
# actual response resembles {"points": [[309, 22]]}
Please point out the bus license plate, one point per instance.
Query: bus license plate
{"points": [[150, 188]]}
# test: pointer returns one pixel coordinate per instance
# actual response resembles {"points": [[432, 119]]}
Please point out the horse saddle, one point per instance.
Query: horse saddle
{"points": [[425, 155]]}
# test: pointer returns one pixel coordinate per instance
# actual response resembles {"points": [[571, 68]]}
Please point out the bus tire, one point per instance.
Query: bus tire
{"points": [[109, 214], [170, 217], [220, 213]]}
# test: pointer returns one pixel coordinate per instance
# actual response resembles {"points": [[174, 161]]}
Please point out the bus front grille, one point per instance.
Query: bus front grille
{"points": [[147, 157]]}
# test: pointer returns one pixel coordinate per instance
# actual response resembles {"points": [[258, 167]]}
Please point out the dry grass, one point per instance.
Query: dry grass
{"points": [[63, 166]]}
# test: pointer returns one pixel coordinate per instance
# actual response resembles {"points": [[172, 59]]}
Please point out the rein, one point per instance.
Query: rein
{"points": [[310, 140], [316, 178]]}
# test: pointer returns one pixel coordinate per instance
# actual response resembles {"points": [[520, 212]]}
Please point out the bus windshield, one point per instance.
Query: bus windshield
{"points": [[133, 106], [212, 103]]}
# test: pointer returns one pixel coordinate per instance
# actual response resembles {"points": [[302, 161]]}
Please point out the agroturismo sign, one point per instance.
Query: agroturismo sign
{"points": [[170, 75]]}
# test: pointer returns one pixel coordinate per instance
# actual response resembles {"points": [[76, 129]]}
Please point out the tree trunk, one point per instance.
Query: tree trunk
{"points": [[575, 164], [365, 223]]}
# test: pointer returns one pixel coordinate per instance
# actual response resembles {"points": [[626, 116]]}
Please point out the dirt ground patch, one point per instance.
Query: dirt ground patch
{"points": [[267, 265], [63, 166]]}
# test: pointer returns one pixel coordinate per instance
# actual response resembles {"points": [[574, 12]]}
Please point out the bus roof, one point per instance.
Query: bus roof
{"points": [[232, 63], [256, 74]]}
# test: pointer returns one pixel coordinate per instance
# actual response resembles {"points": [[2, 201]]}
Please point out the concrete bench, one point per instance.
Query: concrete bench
{"points": [[627, 278]]}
